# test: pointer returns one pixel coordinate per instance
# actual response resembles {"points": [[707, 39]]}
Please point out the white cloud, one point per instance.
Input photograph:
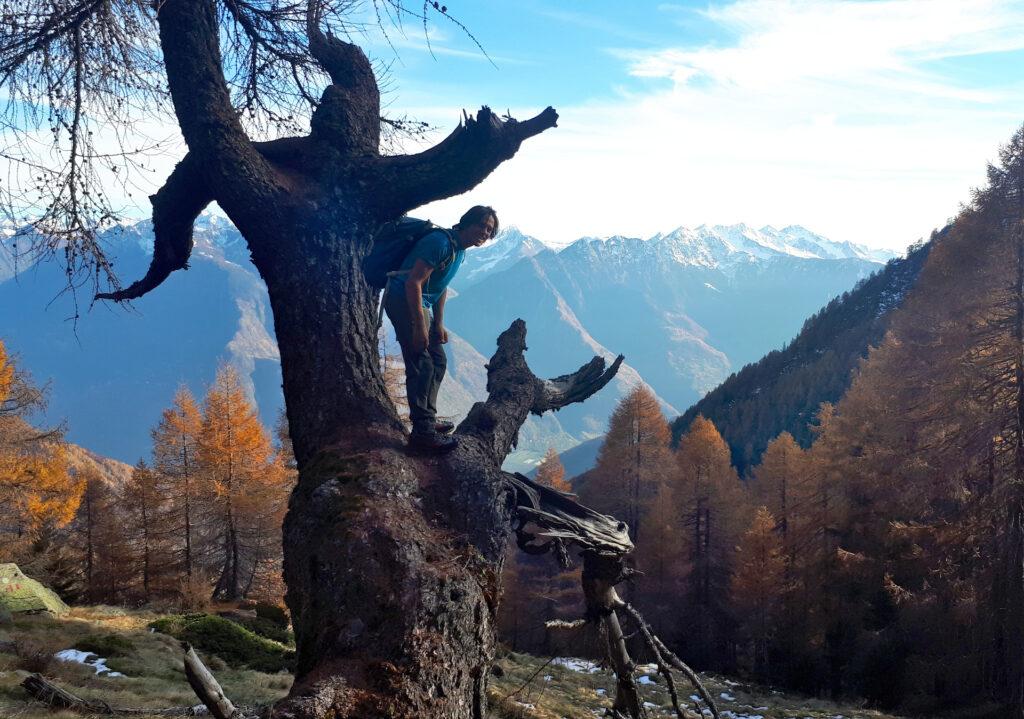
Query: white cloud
{"points": [[826, 114]]}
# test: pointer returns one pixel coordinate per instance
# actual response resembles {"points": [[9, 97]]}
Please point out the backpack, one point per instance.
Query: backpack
{"points": [[392, 244]]}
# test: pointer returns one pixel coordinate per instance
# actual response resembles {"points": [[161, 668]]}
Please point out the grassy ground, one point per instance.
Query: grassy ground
{"points": [[533, 689], [151, 662], [528, 688]]}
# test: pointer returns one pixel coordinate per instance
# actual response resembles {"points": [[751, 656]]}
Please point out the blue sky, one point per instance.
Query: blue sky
{"points": [[864, 121]]}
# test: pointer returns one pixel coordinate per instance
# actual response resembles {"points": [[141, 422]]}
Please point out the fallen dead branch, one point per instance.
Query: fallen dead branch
{"points": [[57, 698]]}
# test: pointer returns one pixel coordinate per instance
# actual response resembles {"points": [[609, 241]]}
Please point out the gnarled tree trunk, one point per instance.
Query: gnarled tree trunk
{"points": [[392, 561]]}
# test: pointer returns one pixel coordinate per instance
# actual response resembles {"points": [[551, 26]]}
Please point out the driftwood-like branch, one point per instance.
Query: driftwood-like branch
{"points": [[547, 514], [555, 515], [57, 698], [456, 164]]}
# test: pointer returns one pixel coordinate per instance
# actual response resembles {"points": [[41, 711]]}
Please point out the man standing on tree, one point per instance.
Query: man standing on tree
{"points": [[415, 305]]}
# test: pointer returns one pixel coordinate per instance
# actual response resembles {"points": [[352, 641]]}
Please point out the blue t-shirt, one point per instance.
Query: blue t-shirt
{"points": [[434, 249]]}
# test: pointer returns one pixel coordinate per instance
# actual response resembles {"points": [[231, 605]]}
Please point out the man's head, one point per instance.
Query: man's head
{"points": [[477, 225]]}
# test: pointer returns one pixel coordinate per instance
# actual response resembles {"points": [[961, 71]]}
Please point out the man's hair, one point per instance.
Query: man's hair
{"points": [[478, 213]]}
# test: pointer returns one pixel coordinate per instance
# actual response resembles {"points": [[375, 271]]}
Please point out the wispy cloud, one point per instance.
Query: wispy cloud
{"points": [[852, 118], [786, 41]]}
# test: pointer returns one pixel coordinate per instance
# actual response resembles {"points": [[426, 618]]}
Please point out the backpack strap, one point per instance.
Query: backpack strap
{"points": [[452, 245]]}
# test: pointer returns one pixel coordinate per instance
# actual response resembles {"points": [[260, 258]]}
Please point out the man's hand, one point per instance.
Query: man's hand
{"points": [[419, 338], [442, 333]]}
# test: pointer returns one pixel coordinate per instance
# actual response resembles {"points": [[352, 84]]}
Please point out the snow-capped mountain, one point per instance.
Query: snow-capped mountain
{"points": [[499, 254], [687, 308], [726, 246]]}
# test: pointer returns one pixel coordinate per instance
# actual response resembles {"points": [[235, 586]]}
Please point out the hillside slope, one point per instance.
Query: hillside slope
{"points": [[783, 390]]}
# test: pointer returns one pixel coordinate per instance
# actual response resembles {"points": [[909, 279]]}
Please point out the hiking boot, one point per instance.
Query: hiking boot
{"points": [[432, 442], [443, 426]]}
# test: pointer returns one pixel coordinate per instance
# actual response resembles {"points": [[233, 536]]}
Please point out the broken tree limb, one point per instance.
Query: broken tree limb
{"points": [[176, 206], [514, 391], [556, 518], [58, 698], [207, 688], [576, 387]]}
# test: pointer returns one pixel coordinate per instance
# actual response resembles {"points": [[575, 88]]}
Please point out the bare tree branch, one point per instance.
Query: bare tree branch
{"points": [[175, 208], [458, 163]]}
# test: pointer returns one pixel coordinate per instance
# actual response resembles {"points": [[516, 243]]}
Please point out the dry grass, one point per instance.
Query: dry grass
{"points": [[528, 689], [152, 665]]}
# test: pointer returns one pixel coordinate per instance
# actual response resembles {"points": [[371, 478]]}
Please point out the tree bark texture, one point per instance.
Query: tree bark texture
{"points": [[392, 560]]}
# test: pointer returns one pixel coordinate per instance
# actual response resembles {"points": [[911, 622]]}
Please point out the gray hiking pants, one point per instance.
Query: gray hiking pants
{"points": [[423, 370]]}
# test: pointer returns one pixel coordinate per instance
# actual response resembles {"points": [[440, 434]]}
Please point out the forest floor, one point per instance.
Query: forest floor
{"points": [[153, 678]]}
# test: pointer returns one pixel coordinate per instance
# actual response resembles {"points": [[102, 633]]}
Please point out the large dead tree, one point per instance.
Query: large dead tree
{"points": [[392, 561]]}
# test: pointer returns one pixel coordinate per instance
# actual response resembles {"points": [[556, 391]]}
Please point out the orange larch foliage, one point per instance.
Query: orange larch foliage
{"points": [[757, 588], [248, 482], [35, 483], [551, 473]]}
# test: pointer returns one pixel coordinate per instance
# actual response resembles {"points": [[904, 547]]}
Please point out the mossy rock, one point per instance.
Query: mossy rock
{"points": [[236, 645], [19, 593]]}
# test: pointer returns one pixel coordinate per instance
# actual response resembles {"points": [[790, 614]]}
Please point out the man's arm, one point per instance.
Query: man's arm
{"points": [[439, 317], [418, 276]]}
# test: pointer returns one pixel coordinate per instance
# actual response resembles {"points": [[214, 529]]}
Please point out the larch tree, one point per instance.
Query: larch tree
{"points": [[780, 484], [175, 458], [755, 589], [551, 472], [633, 459], [711, 513], [36, 486], [102, 545], [391, 560], [239, 463], [144, 508]]}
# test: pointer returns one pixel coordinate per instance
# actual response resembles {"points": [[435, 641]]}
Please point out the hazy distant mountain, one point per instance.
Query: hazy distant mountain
{"points": [[685, 308], [113, 371], [783, 390]]}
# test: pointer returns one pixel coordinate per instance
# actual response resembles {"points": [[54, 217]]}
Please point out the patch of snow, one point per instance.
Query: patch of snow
{"points": [[648, 705], [600, 692], [548, 677], [645, 680], [584, 666], [525, 705], [88, 659], [694, 698], [727, 697]]}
